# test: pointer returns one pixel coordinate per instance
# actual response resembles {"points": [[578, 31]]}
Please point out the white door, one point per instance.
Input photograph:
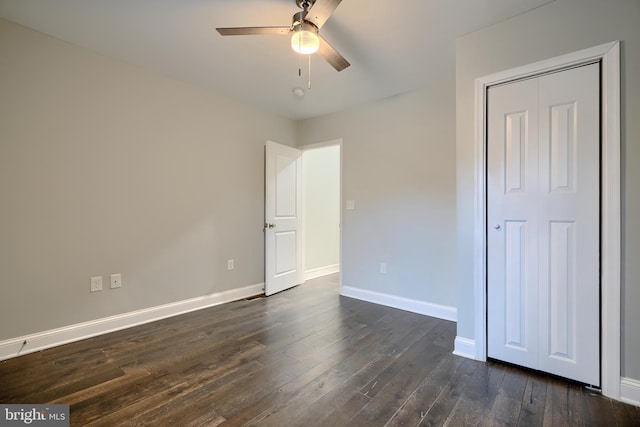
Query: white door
{"points": [[543, 193], [282, 217]]}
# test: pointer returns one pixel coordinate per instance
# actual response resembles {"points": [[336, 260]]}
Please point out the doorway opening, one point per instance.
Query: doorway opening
{"points": [[302, 213], [321, 212]]}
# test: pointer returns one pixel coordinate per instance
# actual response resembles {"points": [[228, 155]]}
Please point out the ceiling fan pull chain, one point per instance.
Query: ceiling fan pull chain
{"points": [[309, 83]]}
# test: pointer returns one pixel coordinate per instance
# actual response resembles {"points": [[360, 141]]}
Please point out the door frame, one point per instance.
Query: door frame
{"points": [[610, 203], [309, 147]]}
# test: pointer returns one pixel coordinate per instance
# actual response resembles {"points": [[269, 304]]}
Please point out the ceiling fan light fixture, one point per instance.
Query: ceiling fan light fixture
{"points": [[305, 39]]}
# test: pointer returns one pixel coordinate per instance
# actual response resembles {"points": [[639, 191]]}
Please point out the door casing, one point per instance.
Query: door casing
{"points": [[609, 57]]}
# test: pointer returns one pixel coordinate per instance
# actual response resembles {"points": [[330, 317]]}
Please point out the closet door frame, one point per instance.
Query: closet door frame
{"points": [[608, 55]]}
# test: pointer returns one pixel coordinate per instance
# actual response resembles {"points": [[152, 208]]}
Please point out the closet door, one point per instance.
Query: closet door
{"points": [[544, 223], [512, 235]]}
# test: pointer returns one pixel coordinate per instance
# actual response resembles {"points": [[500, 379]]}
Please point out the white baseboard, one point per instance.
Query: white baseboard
{"points": [[322, 271], [465, 347], [630, 391], [35, 342], [414, 306]]}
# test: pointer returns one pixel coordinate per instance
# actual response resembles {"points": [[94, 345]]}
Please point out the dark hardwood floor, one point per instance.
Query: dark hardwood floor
{"points": [[304, 357]]}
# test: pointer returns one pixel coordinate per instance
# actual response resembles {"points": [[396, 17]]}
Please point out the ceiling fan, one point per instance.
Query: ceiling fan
{"points": [[304, 29]]}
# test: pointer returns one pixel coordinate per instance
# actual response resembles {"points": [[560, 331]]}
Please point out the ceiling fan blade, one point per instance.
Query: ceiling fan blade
{"points": [[321, 11], [332, 56], [252, 31]]}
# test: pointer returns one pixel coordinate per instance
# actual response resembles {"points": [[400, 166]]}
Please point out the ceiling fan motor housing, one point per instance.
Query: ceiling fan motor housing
{"points": [[305, 4], [301, 24]]}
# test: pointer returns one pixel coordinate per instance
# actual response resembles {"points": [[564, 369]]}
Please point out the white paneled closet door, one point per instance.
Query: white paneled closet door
{"points": [[543, 194]]}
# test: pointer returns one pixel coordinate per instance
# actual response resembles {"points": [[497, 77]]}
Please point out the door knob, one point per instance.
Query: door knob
{"points": [[269, 225], [497, 227]]}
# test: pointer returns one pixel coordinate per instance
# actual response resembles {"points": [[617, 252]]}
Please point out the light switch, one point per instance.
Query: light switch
{"points": [[96, 284], [351, 205]]}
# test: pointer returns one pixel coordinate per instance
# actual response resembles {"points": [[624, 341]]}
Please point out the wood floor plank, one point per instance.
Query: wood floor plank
{"points": [[507, 404], [337, 358], [448, 398], [478, 398], [596, 407], [59, 379], [626, 415], [532, 409], [313, 381], [358, 370], [339, 404], [121, 382], [556, 411], [254, 396], [399, 381], [73, 384], [303, 357], [169, 405], [575, 405], [290, 403], [417, 406]]}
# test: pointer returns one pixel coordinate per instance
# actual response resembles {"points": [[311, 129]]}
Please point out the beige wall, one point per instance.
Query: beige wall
{"points": [[398, 165], [107, 168], [558, 28]]}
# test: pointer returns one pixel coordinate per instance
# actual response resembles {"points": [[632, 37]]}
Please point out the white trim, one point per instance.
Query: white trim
{"points": [[611, 224], [35, 342], [321, 271], [464, 347], [340, 250], [630, 391], [609, 54], [421, 307]]}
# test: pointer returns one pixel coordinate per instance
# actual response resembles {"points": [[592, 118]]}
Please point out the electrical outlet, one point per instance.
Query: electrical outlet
{"points": [[383, 268], [96, 284], [229, 264], [116, 281]]}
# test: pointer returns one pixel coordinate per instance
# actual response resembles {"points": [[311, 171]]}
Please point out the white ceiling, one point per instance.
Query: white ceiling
{"points": [[393, 46]]}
